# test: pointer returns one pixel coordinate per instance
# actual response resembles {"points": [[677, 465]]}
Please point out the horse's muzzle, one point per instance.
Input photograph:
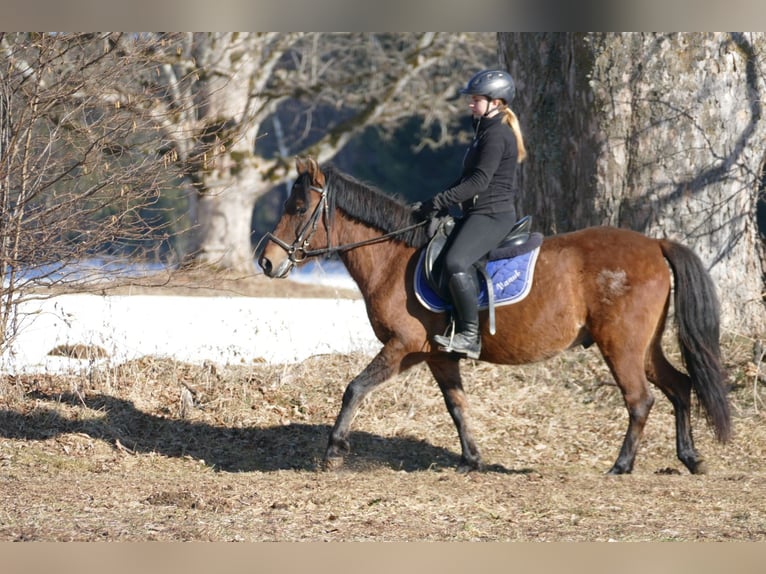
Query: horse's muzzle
{"points": [[279, 271]]}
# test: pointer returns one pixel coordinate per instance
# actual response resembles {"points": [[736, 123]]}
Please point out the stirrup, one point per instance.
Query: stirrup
{"points": [[446, 345]]}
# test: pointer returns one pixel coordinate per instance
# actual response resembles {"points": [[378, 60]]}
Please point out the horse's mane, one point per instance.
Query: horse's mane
{"points": [[373, 207]]}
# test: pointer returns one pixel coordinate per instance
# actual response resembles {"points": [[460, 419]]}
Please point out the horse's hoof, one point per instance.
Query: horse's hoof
{"points": [[331, 463], [465, 467], [700, 467]]}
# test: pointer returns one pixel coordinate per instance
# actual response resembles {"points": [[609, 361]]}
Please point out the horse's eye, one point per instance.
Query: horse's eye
{"points": [[298, 208], [293, 206]]}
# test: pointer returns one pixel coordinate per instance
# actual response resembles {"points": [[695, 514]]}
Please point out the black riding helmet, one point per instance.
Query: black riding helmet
{"points": [[493, 84]]}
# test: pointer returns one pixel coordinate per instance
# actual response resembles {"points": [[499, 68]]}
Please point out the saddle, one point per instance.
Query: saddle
{"points": [[520, 240]]}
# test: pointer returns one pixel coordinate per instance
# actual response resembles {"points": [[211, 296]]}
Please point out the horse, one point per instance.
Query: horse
{"points": [[606, 286]]}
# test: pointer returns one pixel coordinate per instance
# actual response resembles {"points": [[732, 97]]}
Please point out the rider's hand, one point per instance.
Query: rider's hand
{"points": [[423, 210]]}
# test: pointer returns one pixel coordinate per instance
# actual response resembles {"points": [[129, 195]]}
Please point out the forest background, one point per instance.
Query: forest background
{"points": [[177, 148]]}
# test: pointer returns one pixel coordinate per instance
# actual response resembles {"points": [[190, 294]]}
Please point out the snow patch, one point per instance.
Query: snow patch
{"points": [[221, 330]]}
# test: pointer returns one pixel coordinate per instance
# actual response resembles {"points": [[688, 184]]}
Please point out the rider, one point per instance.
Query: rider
{"points": [[485, 191]]}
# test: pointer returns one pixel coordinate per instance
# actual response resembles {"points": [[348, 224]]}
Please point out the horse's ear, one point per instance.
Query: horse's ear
{"points": [[301, 165], [316, 174]]}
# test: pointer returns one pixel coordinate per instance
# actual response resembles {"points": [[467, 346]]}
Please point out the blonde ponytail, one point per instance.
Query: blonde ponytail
{"points": [[512, 121]]}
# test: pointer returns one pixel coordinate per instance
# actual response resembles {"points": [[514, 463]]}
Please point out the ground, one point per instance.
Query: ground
{"points": [[159, 450]]}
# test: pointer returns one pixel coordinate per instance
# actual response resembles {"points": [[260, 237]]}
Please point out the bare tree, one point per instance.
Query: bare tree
{"points": [[335, 85], [661, 133], [79, 174], [98, 130]]}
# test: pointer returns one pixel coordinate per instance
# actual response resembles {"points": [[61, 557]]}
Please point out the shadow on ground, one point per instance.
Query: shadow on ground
{"points": [[226, 449]]}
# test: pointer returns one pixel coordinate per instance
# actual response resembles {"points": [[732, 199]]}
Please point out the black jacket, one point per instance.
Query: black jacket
{"points": [[489, 170]]}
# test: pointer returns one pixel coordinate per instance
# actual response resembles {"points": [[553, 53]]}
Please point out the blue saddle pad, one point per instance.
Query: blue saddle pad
{"points": [[511, 280]]}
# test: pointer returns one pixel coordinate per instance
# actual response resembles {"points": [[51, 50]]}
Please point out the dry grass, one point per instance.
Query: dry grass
{"points": [[158, 450], [195, 282]]}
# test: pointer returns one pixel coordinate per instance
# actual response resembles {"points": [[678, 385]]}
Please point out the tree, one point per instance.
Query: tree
{"points": [[222, 93], [78, 172], [660, 133]]}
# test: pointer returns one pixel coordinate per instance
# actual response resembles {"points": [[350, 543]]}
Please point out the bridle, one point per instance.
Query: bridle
{"points": [[299, 250]]}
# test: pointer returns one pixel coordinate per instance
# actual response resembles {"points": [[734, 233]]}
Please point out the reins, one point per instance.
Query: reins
{"points": [[298, 251]]}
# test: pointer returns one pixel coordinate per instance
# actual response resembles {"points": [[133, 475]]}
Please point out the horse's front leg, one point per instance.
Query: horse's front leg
{"points": [[446, 371], [386, 364]]}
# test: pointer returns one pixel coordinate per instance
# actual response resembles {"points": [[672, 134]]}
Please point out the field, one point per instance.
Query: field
{"points": [[160, 450]]}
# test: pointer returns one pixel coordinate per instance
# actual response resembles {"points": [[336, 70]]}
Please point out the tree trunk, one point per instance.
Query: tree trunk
{"points": [[223, 220], [226, 179], [660, 133]]}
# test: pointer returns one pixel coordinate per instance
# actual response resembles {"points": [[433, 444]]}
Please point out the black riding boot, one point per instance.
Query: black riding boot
{"points": [[466, 340]]}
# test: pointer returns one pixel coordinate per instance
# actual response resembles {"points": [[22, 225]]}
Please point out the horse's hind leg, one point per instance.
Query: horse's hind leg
{"points": [[676, 386], [628, 371], [446, 371]]}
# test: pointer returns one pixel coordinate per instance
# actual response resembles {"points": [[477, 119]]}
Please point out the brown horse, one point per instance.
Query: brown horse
{"points": [[600, 285]]}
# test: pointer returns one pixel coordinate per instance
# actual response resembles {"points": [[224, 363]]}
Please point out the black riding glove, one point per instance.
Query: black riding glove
{"points": [[423, 210]]}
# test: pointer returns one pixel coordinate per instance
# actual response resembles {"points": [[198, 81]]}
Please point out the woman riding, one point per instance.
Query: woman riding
{"points": [[485, 191]]}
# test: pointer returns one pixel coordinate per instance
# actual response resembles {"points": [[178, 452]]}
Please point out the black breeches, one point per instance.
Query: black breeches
{"points": [[474, 237]]}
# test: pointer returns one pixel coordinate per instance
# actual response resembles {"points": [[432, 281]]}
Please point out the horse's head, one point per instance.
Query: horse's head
{"points": [[300, 228]]}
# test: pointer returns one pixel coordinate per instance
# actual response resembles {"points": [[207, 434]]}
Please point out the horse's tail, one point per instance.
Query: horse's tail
{"points": [[697, 313]]}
